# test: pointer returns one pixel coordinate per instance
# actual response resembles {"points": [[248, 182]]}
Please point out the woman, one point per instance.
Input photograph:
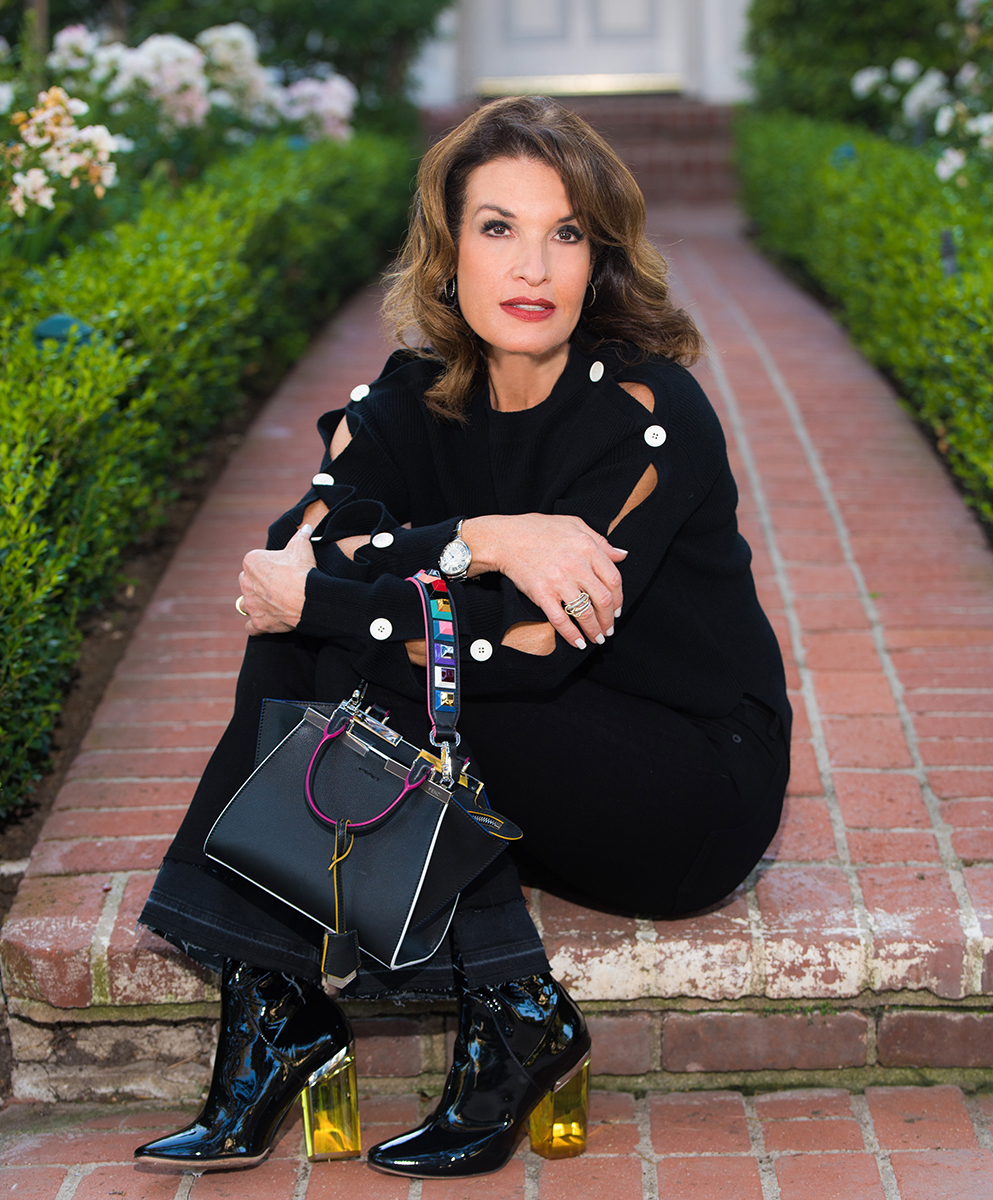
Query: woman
{"points": [[623, 692]]}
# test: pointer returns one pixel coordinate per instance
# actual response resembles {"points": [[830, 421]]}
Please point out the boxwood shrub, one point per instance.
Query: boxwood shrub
{"points": [[907, 259], [229, 277]]}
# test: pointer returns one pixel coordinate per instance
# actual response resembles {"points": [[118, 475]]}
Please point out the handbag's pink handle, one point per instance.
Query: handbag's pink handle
{"points": [[415, 777]]}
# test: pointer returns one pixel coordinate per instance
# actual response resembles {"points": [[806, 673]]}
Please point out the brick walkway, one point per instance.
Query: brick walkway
{"points": [[890, 1144], [877, 895]]}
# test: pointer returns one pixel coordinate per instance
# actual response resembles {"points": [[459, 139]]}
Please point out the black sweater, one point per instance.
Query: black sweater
{"points": [[692, 633]]}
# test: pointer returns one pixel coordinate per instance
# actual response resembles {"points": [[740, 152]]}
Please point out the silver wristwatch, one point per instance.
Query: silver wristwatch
{"points": [[456, 558]]}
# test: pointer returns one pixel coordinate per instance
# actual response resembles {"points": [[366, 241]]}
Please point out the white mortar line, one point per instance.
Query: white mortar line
{"points": [[980, 1122], [644, 1150], [534, 908], [860, 1106], [99, 972], [766, 1164], [532, 1175], [185, 1185], [975, 943], [74, 1176], [302, 1179], [759, 964], [796, 640], [14, 866]]}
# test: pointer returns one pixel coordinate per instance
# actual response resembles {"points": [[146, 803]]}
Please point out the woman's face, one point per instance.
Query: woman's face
{"points": [[524, 261]]}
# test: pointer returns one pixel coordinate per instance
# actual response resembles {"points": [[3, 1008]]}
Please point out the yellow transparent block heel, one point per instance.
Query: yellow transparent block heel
{"points": [[558, 1124], [331, 1109]]}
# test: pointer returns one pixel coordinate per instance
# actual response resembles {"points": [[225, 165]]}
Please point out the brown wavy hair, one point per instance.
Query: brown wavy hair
{"points": [[632, 301]]}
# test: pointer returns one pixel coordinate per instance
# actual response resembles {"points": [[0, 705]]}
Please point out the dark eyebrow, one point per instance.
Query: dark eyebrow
{"points": [[509, 216]]}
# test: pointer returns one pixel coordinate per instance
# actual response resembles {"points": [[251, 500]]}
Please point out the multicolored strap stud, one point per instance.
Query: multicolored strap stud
{"points": [[441, 632]]}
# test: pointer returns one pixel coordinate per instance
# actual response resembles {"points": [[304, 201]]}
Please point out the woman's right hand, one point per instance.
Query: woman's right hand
{"points": [[551, 558]]}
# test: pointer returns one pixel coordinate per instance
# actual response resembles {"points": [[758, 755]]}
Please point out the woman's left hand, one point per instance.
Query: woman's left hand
{"points": [[273, 583]]}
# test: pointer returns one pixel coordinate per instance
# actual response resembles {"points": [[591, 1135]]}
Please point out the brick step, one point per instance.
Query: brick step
{"points": [[860, 950], [678, 149]]}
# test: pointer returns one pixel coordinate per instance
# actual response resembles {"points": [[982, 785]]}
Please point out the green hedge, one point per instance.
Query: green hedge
{"points": [[805, 52], [226, 279], [871, 224]]}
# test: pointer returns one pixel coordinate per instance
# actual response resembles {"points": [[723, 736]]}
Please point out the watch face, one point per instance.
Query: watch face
{"points": [[455, 558]]}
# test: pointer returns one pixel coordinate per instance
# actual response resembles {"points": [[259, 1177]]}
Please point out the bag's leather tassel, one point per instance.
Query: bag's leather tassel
{"points": [[340, 958]]}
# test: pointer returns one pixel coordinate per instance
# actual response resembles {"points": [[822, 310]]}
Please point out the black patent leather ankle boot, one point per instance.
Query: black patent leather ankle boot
{"points": [[278, 1038], [521, 1055]]}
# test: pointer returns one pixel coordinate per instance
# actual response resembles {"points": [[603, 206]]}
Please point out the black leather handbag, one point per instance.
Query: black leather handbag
{"points": [[363, 832]]}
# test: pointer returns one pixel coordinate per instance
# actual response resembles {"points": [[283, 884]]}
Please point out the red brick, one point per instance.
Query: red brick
{"points": [[354, 1180], [98, 793], [143, 763], [968, 814], [907, 1118], [853, 692], [834, 612], [123, 713], [31, 1183], [144, 969], [507, 1184], [387, 1046], [884, 846], [812, 1137], [708, 1178], [110, 854], [612, 1139], [949, 1174], [611, 1106], [127, 1182], [973, 845], [822, 581], [833, 1177], [866, 742], [808, 547], [71, 1146], [914, 638], [753, 1042], [918, 940], [936, 1039], [273, 1180], [622, 1045], [962, 725], [957, 752], [841, 652], [805, 778], [950, 785], [403, 1109], [967, 702], [45, 942], [585, 1179], [881, 801], [177, 733], [812, 1103], [812, 940], [805, 832], [699, 1123], [73, 823]]}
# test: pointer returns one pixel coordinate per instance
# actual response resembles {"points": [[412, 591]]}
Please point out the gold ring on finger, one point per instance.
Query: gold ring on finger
{"points": [[239, 607], [578, 607]]}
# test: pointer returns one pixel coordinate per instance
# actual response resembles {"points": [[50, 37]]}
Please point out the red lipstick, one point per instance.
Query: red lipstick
{"points": [[528, 308]]}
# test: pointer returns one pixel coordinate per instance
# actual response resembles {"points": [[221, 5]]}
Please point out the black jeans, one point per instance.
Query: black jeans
{"points": [[625, 805]]}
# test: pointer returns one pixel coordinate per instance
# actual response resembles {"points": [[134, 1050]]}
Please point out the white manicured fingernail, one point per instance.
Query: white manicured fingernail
{"points": [[617, 613], [579, 644], [307, 529], [610, 631], [600, 639]]}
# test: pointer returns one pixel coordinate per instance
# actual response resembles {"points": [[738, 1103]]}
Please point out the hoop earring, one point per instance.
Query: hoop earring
{"points": [[450, 295], [592, 285]]}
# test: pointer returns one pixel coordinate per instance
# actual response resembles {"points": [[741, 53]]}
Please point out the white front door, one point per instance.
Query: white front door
{"points": [[542, 39]]}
